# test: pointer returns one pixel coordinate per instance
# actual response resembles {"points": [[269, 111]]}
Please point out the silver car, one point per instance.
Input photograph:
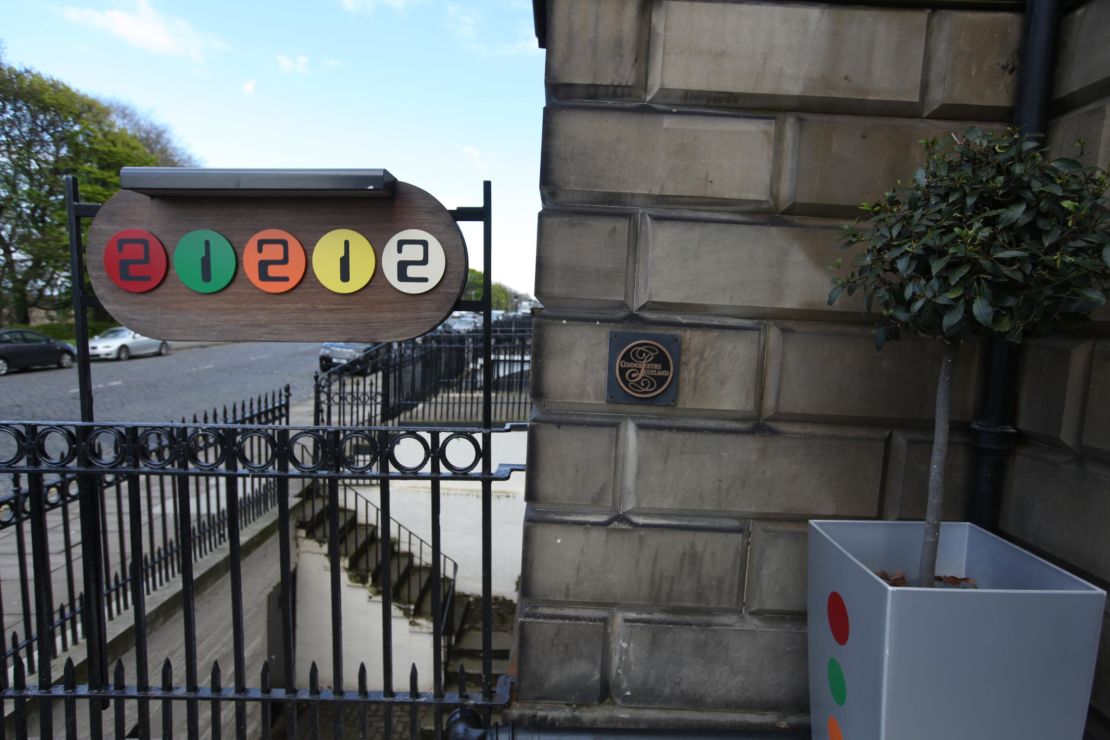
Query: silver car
{"points": [[123, 344]]}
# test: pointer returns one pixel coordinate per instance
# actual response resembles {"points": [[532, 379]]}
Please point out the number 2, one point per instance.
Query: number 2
{"points": [[403, 266], [265, 265], [125, 265]]}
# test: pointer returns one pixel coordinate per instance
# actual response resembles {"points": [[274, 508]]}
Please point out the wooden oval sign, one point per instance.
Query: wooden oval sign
{"points": [[352, 289]]}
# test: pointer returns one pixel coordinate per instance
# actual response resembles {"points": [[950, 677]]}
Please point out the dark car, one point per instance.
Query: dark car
{"points": [[25, 348]]}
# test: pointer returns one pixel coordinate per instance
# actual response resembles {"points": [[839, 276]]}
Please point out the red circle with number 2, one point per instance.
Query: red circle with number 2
{"points": [[135, 260]]}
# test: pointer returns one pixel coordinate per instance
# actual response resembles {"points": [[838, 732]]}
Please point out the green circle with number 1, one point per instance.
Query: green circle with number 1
{"points": [[205, 261]]}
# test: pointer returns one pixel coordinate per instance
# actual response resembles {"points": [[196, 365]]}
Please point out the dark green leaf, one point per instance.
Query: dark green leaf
{"points": [[903, 263], [1106, 255], [1002, 323], [1092, 295], [835, 293], [1011, 214], [953, 316], [938, 263], [983, 310], [1009, 254], [880, 337], [1066, 165]]}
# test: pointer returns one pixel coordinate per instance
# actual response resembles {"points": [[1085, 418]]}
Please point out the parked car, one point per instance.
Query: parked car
{"points": [[123, 344], [26, 348], [340, 353]]}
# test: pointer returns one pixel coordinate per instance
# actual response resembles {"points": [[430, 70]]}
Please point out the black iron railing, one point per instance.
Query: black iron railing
{"points": [[161, 560], [235, 456], [436, 379]]}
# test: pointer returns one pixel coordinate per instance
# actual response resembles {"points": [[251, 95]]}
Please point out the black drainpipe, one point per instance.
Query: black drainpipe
{"points": [[993, 434]]}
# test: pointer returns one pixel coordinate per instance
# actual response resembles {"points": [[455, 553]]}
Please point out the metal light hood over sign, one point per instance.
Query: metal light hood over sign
{"points": [[287, 255]]}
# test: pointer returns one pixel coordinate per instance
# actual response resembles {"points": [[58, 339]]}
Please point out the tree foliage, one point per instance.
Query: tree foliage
{"points": [[503, 298], [989, 236], [49, 130]]}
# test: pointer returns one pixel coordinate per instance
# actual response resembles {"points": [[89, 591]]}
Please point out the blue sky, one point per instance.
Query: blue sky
{"points": [[443, 94]]}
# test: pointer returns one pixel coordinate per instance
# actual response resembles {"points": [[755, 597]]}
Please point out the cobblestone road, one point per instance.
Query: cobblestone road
{"points": [[185, 382]]}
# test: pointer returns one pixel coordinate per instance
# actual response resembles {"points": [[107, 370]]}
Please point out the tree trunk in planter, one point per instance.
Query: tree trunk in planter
{"points": [[931, 538]]}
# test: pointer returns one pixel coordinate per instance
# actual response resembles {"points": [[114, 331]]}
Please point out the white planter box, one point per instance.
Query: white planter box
{"points": [[1010, 660]]}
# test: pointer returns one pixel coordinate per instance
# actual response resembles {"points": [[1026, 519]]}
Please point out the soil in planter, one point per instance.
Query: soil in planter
{"points": [[900, 579]]}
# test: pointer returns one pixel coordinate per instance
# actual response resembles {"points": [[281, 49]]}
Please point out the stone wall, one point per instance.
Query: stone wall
{"points": [[698, 159]]}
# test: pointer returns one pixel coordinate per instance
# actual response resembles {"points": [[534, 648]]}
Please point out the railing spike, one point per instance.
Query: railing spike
{"points": [[362, 690], [118, 675], [215, 680], [462, 681], [413, 682], [313, 679], [265, 677], [69, 676], [167, 674]]}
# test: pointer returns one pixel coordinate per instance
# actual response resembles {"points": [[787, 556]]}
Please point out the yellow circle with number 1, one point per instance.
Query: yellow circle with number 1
{"points": [[343, 261]]}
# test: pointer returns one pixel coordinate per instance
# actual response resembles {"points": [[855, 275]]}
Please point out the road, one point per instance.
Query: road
{"points": [[187, 381]]}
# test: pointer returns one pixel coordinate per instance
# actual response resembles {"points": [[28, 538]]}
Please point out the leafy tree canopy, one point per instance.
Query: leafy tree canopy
{"points": [[503, 297], [989, 236], [49, 130]]}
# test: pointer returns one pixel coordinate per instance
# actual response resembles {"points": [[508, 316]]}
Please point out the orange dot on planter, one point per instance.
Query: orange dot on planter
{"points": [[838, 618], [274, 261], [834, 729]]}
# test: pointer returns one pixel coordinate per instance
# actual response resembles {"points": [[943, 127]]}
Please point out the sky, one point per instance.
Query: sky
{"points": [[444, 95]]}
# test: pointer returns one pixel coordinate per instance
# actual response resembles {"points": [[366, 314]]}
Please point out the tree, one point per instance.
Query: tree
{"points": [[155, 138], [989, 239], [502, 297], [48, 130]]}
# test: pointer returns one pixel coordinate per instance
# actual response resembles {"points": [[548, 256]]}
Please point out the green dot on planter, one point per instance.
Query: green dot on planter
{"points": [[837, 687], [205, 261]]}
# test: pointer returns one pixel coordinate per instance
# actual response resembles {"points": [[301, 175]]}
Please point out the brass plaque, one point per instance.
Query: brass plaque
{"points": [[643, 368]]}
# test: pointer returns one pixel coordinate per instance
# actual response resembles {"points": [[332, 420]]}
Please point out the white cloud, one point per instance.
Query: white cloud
{"points": [[248, 87], [291, 65], [368, 6], [462, 21], [146, 28], [475, 155], [333, 63]]}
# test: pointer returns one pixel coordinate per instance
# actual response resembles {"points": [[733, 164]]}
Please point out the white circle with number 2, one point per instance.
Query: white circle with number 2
{"points": [[413, 261]]}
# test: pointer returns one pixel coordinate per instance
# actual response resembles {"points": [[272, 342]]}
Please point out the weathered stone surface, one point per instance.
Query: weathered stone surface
{"points": [[1091, 125], [1096, 425], [1100, 692], [741, 269], [755, 665], [1083, 61], [1052, 387], [561, 660], [581, 260], [907, 475], [597, 48], [571, 465], [622, 157], [633, 565], [825, 372], [833, 164], [973, 62], [1060, 505], [785, 56], [717, 372], [804, 471], [777, 568]]}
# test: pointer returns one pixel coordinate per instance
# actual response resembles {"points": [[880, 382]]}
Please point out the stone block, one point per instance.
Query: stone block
{"points": [[597, 48], [1061, 506], [785, 56], [633, 566], [582, 260], [1053, 375], [754, 666], [1091, 125], [717, 372], [741, 269], [776, 582], [1096, 424], [1100, 692], [833, 164], [561, 659], [973, 63], [797, 472], [571, 465], [907, 475], [632, 157], [823, 373], [1083, 59]]}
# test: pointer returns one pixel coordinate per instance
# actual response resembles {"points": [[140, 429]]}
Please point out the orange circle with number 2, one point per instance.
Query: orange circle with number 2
{"points": [[274, 261]]}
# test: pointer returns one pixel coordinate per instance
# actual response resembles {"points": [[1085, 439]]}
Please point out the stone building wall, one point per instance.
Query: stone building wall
{"points": [[698, 160]]}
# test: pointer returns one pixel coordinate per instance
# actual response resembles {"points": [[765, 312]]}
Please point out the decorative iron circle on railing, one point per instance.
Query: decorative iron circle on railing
{"points": [[156, 448], [56, 446], [95, 447], [244, 451], [58, 491], [12, 445], [205, 449], [316, 451], [460, 469], [7, 511], [423, 443], [355, 446]]}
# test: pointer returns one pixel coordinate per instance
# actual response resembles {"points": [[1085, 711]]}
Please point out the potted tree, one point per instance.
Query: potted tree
{"points": [[989, 238]]}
